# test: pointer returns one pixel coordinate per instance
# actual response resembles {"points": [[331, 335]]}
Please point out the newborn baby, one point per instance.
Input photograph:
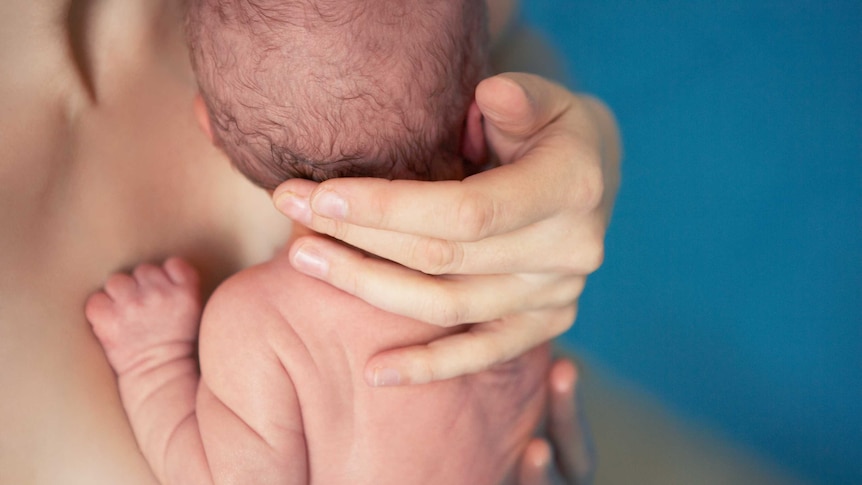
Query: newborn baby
{"points": [[316, 89]]}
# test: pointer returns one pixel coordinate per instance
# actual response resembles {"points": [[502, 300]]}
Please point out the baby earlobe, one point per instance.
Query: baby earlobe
{"points": [[202, 116], [473, 147]]}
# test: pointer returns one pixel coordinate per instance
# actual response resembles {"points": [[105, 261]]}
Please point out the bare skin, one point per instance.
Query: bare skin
{"points": [[101, 167], [282, 398], [77, 202]]}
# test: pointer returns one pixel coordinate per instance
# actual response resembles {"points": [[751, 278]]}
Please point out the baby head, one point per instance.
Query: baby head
{"points": [[319, 89]]}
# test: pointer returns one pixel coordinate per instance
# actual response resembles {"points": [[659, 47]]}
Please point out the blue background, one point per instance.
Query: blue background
{"points": [[732, 288]]}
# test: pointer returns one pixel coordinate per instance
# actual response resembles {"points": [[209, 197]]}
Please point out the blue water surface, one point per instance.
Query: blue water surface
{"points": [[732, 287]]}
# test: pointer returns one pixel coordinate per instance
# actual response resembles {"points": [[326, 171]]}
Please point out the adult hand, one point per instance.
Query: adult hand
{"points": [[507, 250], [568, 459]]}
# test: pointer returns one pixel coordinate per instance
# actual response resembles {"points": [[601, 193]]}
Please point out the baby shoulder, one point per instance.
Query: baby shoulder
{"points": [[254, 316], [242, 324], [242, 362]]}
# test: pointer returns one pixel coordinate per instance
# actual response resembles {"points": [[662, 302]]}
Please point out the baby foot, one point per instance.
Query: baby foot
{"points": [[148, 318]]}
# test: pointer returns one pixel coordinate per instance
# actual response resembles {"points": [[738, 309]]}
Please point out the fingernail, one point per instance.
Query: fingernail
{"points": [[563, 386], [310, 262], [295, 207], [507, 93], [386, 377], [330, 204]]}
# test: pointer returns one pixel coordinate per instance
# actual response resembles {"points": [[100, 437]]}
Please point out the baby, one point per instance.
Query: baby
{"points": [[316, 89]]}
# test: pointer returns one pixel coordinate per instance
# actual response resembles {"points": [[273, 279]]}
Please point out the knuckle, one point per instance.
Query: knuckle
{"points": [[444, 310], [482, 351], [563, 320], [594, 258], [427, 371], [347, 280], [567, 292], [572, 262], [352, 284], [590, 188], [437, 256], [476, 214], [585, 260], [485, 355], [338, 230]]}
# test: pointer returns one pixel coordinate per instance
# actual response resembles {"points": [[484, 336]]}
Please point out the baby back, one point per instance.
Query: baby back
{"points": [[468, 430]]}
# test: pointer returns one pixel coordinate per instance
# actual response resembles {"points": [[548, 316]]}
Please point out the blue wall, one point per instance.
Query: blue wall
{"points": [[732, 287]]}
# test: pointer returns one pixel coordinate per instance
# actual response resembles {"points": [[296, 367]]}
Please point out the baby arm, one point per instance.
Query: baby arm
{"points": [[190, 431], [147, 324]]}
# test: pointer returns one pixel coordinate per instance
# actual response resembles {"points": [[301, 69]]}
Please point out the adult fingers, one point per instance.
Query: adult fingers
{"points": [[479, 348], [578, 246], [493, 202], [567, 426], [446, 300], [537, 465]]}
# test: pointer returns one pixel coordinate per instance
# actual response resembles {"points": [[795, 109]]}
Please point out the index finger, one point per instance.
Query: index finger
{"points": [[569, 432], [494, 202]]}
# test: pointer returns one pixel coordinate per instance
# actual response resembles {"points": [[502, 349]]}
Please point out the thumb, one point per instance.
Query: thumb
{"points": [[517, 106]]}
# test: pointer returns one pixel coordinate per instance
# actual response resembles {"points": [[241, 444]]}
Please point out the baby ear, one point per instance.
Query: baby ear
{"points": [[203, 116], [473, 147]]}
